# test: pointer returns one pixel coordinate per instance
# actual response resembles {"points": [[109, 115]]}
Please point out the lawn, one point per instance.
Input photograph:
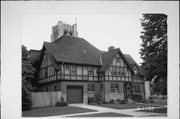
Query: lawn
{"points": [[158, 110], [107, 114], [160, 101], [53, 111], [125, 106]]}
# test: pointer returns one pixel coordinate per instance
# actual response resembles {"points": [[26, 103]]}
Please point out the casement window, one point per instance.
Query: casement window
{"points": [[114, 72], [136, 88], [122, 71], [118, 60], [67, 69], [90, 70], [118, 71], [91, 87], [73, 70], [114, 88]]}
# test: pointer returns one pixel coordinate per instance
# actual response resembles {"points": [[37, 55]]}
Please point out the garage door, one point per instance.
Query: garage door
{"points": [[75, 94]]}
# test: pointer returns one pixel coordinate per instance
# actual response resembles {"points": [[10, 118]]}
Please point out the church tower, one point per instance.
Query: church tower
{"points": [[61, 29]]}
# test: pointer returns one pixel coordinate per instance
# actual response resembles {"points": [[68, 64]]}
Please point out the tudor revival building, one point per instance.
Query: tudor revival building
{"points": [[75, 67]]}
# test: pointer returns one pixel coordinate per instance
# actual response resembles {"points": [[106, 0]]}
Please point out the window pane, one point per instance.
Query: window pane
{"points": [[67, 69], [91, 87], [90, 70], [73, 70]]}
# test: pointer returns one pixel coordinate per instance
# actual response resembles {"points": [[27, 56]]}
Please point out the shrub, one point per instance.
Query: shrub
{"points": [[61, 103], [99, 102], [118, 101], [111, 101], [104, 102], [91, 100], [26, 99], [98, 97], [137, 97]]}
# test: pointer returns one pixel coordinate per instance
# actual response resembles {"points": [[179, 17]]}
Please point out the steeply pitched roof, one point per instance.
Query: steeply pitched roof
{"points": [[34, 54], [131, 61], [76, 50], [107, 58], [73, 50]]}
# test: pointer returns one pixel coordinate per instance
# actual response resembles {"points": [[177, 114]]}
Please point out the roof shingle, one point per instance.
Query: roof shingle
{"points": [[73, 50]]}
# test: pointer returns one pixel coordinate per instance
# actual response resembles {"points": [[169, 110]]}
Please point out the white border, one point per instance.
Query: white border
{"points": [[11, 13]]}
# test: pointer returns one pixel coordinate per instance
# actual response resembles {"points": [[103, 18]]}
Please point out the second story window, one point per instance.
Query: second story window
{"points": [[90, 70], [114, 72], [73, 70], [67, 69], [118, 60]]}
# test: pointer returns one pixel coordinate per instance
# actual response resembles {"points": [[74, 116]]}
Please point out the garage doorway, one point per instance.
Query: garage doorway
{"points": [[74, 94]]}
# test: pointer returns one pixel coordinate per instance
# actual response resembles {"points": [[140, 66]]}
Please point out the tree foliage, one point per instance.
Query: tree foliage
{"points": [[154, 47], [27, 76]]}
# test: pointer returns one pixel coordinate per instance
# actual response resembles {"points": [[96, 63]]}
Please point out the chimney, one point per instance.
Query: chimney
{"points": [[110, 48]]}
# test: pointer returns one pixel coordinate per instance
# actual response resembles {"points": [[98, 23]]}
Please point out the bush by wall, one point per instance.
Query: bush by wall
{"points": [[91, 100], [137, 98], [98, 97], [111, 101], [118, 101], [61, 103]]}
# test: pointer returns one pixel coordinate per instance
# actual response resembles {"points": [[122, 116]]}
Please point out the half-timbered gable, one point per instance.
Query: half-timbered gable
{"points": [[118, 70], [47, 72]]}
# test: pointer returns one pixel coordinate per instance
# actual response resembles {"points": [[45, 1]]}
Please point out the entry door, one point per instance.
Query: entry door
{"points": [[75, 94]]}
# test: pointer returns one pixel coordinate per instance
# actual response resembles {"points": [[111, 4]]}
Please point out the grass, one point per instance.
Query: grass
{"points": [[53, 111], [107, 114], [160, 101], [158, 110], [125, 106]]}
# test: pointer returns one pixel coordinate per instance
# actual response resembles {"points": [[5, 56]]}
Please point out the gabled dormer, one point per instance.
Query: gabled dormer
{"points": [[115, 65]]}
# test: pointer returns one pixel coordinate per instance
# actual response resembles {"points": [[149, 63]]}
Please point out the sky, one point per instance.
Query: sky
{"points": [[101, 30]]}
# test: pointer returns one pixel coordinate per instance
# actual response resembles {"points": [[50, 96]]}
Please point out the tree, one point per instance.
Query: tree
{"points": [[27, 76], [154, 50]]}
